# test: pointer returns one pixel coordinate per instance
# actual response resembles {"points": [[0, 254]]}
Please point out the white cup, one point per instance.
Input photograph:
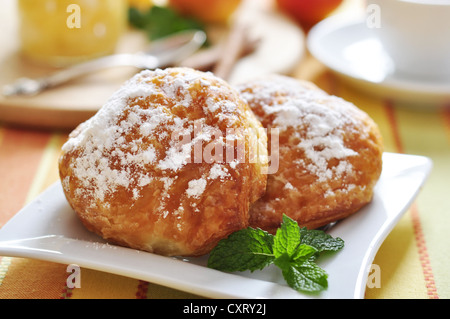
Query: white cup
{"points": [[416, 35]]}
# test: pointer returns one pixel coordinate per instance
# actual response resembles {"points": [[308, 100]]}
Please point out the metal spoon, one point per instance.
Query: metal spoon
{"points": [[160, 53]]}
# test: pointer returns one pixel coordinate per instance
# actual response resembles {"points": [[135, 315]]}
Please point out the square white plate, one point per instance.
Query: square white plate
{"points": [[48, 229]]}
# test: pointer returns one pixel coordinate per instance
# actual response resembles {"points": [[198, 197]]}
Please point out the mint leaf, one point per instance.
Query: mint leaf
{"points": [[305, 276], [160, 21], [303, 253], [287, 241], [287, 237], [246, 249], [320, 240]]}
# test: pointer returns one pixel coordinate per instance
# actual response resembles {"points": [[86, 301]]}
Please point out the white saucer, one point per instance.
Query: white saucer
{"points": [[351, 50]]}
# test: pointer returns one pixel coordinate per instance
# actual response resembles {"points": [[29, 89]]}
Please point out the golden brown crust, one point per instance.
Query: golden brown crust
{"points": [[133, 172], [330, 153]]}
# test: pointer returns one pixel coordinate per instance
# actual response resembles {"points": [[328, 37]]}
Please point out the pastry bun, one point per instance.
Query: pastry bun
{"points": [[330, 153], [147, 171]]}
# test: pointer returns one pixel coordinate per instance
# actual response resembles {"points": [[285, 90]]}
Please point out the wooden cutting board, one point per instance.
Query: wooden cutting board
{"points": [[280, 49]]}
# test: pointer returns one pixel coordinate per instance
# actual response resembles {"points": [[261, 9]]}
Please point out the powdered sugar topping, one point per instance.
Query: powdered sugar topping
{"points": [[116, 147], [196, 187], [319, 121]]}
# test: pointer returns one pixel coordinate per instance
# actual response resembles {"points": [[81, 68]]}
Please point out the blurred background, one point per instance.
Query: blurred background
{"points": [[245, 38]]}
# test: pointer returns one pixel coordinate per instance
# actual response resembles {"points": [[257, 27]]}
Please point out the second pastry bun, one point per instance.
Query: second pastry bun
{"points": [[330, 153]]}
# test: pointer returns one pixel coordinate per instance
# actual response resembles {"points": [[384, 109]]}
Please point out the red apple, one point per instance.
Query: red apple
{"points": [[308, 12]]}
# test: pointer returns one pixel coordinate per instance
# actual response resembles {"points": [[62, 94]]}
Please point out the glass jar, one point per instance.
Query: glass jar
{"points": [[63, 32]]}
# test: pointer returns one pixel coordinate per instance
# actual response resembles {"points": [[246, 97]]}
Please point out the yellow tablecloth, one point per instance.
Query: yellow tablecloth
{"points": [[413, 259]]}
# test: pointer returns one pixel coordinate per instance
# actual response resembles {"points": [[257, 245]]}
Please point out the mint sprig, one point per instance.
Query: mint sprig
{"points": [[159, 21], [292, 249]]}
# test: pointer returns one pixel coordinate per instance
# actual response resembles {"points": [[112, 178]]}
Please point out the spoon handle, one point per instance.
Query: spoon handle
{"points": [[168, 50], [27, 86]]}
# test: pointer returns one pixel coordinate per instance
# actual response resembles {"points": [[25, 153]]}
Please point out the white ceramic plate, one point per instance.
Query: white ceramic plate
{"points": [[48, 229], [350, 49]]}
